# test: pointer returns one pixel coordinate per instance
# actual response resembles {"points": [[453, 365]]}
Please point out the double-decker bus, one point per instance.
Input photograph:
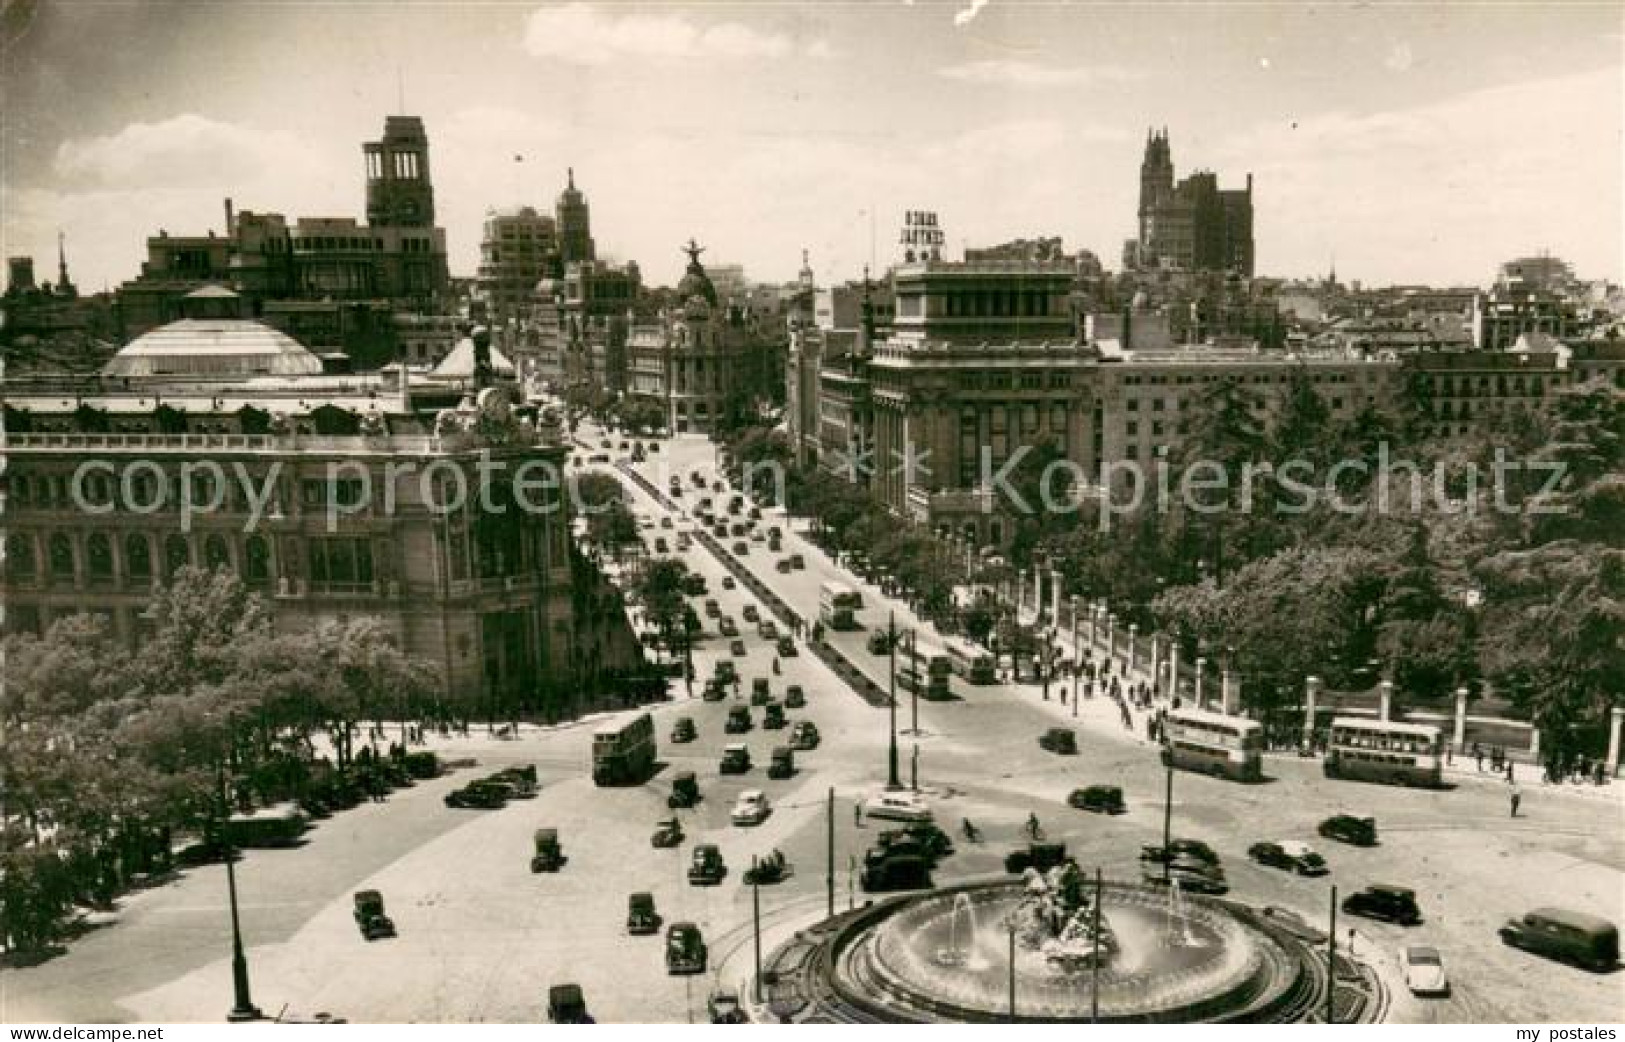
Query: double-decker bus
{"points": [[1214, 743], [624, 755], [1384, 751], [926, 667], [838, 606], [974, 666]]}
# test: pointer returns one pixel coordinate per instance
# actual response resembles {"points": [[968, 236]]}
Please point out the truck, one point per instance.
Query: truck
{"points": [[624, 755]]}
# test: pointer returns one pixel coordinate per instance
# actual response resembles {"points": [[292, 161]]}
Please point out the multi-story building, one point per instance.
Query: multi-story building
{"points": [[574, 222], [1506, 313], [517, 250], [1192, 225], [218, 442], [579, 324], [396, 259]]}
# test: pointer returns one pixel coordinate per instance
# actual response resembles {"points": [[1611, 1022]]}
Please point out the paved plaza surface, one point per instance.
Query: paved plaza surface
{"points": [[481, 938]]}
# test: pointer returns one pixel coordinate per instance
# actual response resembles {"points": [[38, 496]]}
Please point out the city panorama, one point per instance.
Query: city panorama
{"points": [[961, 512]]}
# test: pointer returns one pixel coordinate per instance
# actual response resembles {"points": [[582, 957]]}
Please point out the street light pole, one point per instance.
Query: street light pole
{"points": [[1167, 819], [242, 1007], [1011, 925], [914, 691], [1331, 961], [756, 926], [892, 779]]}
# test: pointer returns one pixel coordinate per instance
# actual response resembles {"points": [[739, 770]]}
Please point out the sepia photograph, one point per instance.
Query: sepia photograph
{"points": [[708, 512]]}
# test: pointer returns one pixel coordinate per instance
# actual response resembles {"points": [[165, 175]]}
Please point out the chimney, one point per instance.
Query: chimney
{"points": [[231, 220]]}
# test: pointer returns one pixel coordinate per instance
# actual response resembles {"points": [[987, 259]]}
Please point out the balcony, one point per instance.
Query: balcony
{"points": [[926, 505]]}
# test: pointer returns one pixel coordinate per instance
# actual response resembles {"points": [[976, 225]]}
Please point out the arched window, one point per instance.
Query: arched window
{"points": [[258, 568], [177, 555], [61, 556], [137, 557], [215, 554], [20, 555], [99, 555]]}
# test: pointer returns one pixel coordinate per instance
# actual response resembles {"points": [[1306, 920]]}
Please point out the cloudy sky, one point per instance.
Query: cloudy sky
{"points": [[1416, 142]]}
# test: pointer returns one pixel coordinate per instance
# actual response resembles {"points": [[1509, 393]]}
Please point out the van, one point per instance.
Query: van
{"points": [[1557, 933]]}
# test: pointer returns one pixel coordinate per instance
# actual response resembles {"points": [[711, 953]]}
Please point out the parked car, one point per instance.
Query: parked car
{"points": [[735, 759], [795, 697], [706, 867], [888, 872], [783, 764], [781, 566], [668, 833], [641, 917], [685, 949], [724, 1007], [549, 854], [369, 915], [1062, 740], [1192, 874], [683, 730], [798, 562], [923, 837], [1393, 904], [1042, 856], [899, 805], [1290, 855], [1346, 828], [1193, 848], [767, 629], [737, 648], [751, 614], [726, 672], [773, 716], [565, 1005], [751, 808], [1101, 799], [741, 548], [878, 642], [786, 648], [804, 735], [1574, 937], [761, 692], [738, 720], [481, 795], [715, 690], [685, 791], [728, 582], [1424, 971]]}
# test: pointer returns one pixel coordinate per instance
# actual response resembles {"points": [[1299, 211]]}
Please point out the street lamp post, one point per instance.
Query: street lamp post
{"points": [[1167, 819], [892, 779], [914, 690], [1049, 658], [242, 1006]]}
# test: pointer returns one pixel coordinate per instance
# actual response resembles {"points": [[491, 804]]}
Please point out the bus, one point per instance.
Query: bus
{"points": [[624, 755], [972, 666], [279, 825], [933, 665], [1198, 740], [1384, 751], [838, 606]]}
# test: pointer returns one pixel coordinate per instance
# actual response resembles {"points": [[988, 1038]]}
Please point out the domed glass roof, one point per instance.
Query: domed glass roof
{"points": [[215, 347]]}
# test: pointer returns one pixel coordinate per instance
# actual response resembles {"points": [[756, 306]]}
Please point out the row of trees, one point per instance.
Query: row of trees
{"points": [[1448, 568], [109, 752]]}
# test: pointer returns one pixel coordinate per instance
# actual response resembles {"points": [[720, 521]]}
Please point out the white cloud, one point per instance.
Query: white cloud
{"points": [[582, 34], [1032, 74], [184, 150]]}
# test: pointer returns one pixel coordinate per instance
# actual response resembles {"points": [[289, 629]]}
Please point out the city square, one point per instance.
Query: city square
{"points": [[1042, 590]]}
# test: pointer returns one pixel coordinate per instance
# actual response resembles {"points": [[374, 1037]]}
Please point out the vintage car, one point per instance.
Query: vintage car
{"points": [[773, 716], [751, 808], [923, 838], [1101, 799], [760, 691], [483, 795], [736, 648], [735, 759], [728, 582], [668, 833], [1042, 856], [706, 867], [549, 856], [728, 627], [724, 1007], [1567, 936], [804, 735], [751, 613], [370, 917], [795, 697], [786, 648], [767, 629], [683, 730], [565, 1005], [1192, 874], [1062, 740], [738, 720], [1290, 855], [1192, 848], [1346, 828], [895, 871], [1394, 904], [685, 791], [898, 805], [641, 917], [685, 949], [716, 689], [783, 763], [1424, 971]]}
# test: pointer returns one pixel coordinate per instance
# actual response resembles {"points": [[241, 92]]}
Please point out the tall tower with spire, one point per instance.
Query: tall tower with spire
{"points": [[574, 224], [64, 285], [1156, 178]]}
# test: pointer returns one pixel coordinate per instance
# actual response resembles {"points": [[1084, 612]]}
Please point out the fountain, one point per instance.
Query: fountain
{"points": [[1143, 955]]}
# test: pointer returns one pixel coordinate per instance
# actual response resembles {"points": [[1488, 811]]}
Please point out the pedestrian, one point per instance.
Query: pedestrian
{"points": [[857, 815], [1478, 754], [1516, 798], [1509, 770]]}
